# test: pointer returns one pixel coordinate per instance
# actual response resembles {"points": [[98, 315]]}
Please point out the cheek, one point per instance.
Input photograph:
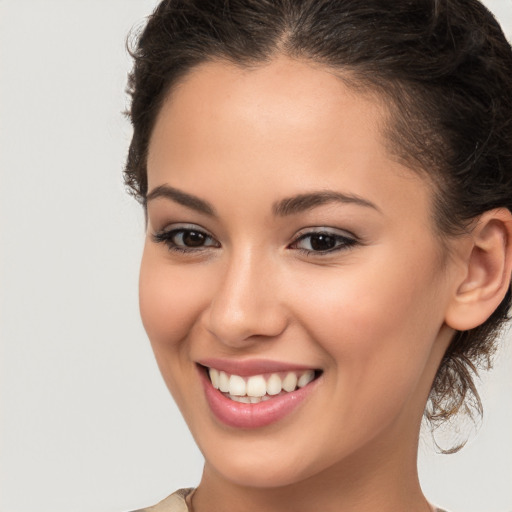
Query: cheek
{"points": [[170, 301], [377, 322]]}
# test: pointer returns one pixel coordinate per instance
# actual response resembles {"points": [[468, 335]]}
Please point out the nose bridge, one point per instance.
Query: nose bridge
{"points": [[245, 304]]}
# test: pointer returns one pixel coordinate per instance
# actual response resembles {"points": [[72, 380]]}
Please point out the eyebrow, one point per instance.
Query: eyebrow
{"points": [[304, 202], [288, 206], [188, 200]]}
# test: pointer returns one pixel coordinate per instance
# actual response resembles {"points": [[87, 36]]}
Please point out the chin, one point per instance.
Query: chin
{"points": [[265, 462], [259, 473]]}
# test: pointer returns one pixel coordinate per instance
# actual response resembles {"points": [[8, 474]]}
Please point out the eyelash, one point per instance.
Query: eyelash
{"points": [[342, 242], [168, 238]]}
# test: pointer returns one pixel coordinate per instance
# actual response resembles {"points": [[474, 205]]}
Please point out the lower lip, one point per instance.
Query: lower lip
{"points": [[250, 416]]}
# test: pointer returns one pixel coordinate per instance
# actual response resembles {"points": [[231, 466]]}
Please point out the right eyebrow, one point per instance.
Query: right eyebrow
{"points": [[180, 197]]}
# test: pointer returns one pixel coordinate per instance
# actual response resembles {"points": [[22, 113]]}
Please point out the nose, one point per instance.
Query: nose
{"points": [[245, 306]]}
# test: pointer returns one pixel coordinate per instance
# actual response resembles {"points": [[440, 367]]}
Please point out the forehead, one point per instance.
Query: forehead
{"points": [[269, 103], [291, 124]]}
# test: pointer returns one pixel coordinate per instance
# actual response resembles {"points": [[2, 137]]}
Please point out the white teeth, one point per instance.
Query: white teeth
{"points": [[306, 378], [237, 386], [290, 382], [256, 386], [241, 399], [274, 386], [256, 389], [214, 377], [223, 382]]}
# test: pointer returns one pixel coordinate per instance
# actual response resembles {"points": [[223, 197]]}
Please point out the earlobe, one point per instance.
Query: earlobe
{"points": [[488, 267]]}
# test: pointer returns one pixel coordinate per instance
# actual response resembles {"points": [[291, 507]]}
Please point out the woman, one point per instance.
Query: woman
{"points": [[328, 187]]}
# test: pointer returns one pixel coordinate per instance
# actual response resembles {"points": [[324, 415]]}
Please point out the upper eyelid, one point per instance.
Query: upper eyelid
{"points": [[324, 229], [177, 226]]}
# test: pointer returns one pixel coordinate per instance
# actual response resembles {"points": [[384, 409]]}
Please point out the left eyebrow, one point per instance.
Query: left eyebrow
{"points": [[304, 202]]}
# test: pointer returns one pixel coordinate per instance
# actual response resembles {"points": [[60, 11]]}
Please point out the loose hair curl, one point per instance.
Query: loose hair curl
{"points": [[445, 69]]}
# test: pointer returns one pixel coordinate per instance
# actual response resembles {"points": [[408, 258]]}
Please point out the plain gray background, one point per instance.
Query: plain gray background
{"points": [[86, 422]]}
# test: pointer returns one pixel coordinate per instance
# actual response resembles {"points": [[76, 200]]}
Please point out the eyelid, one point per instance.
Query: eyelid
{"points": [[348, 240], [167, 234], [324, 229], [181, 225]]}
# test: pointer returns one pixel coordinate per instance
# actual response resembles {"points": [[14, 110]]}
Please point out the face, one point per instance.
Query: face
{"points": [[285, 244]]}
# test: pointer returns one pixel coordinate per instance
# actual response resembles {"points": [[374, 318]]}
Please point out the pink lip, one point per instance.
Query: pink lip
{"points": [[249, 416], [252, 366]]}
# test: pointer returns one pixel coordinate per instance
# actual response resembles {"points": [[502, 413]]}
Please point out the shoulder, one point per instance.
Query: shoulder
{"points": [[176, 502]]}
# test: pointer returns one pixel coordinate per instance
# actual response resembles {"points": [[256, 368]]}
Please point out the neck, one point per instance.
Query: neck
{"points": [[377, 480]]}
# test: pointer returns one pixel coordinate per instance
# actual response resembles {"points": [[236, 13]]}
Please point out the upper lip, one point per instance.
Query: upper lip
{"points": [[248, 367]]}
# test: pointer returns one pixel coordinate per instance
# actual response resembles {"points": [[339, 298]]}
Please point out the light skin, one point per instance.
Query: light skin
{"points": [[374, 312]]}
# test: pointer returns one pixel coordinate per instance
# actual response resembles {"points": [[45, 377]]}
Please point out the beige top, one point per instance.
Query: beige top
{"points": [[176, 502], [173, 503]]}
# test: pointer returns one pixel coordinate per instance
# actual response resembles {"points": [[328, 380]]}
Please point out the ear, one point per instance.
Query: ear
{"points": [[487, 271]]}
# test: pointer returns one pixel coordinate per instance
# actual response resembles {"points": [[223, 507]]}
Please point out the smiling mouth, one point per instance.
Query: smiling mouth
{"points": [[259, 388]]}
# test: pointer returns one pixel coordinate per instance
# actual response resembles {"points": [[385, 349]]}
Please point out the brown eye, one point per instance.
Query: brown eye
{"points": [[192, 238], [183, 239], [323, 242]]}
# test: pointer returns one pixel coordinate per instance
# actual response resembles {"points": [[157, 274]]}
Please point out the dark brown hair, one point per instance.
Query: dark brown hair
{"points": [[445, 68]]}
